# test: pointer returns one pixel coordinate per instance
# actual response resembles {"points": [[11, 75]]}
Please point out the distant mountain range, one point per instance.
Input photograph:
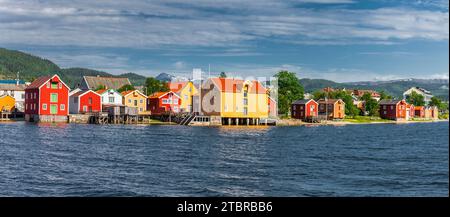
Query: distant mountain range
{"points": [[439, 87], [31, 67]]}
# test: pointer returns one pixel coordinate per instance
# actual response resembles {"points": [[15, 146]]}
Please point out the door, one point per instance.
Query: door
{"points": [[53, 109]]}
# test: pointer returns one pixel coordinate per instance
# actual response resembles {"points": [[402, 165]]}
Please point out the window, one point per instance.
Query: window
{"points": [[385, 112], [22, 96], [44, 107], [54, 97], [85, 108], [392, 107], [62, 107], [60, 85], [301, 113], [384, 107], [175, 101], [90, 100], [26, 106], [48, 84], [141, 101], [34, 95], [111, 99], [135, 102], [245, 102], [53, 109], [245, 111], [129, 100], [54, 85], [140, 109], [311, 108]]}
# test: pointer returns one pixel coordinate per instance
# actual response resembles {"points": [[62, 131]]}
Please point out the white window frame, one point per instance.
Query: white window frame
{"points": [[62, 107], [44, 106]]}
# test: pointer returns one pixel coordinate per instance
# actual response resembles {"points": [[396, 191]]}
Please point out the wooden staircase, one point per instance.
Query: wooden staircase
{"points": [[187, 120]]}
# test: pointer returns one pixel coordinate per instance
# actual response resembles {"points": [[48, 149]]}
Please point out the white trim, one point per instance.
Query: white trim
{"points": [[168, 93], [87, 91], [52, 78], [87, 84], [136, 91]]}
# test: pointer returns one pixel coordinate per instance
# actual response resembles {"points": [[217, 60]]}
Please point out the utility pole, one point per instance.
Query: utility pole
{"points": [[326, 108]]}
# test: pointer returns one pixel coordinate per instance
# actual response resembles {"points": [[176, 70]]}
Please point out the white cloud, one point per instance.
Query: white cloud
{"points": [[137, 24], [179, 65]]}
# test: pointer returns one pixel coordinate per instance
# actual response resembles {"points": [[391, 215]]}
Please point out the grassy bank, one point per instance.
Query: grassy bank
{"points": [[366, 119]]}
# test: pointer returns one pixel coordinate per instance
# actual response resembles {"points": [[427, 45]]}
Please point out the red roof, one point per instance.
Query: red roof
{"points": [[124, 93], [100, 91], [176, 86], [235, 85], [160, 94], [42, 80], [39, 82]]}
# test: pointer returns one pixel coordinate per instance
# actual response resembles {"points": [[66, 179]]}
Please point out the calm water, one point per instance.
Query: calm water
{"points": [[354, 160]]}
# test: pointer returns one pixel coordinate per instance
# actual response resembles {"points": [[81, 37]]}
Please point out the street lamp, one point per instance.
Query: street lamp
{"points": [[326, 109]]}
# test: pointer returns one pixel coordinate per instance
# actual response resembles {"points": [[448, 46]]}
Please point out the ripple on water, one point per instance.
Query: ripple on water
{"points": [[130, 160]]}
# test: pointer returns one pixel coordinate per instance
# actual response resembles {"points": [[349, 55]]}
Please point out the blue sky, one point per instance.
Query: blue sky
{"points": [[341, 40]]}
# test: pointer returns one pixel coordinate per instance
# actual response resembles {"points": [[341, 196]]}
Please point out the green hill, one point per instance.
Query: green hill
{"points": [[31, 67], [135, 79]]}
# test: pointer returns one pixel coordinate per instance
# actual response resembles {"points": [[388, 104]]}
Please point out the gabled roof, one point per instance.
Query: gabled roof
{"points": [[93, 82], [235, 85], [81, 93], [161, 94], [39, 82], [101, 91], [125, 93], [329, 101], [107, 90], [303, 101], [177, 86], [389, 101]]}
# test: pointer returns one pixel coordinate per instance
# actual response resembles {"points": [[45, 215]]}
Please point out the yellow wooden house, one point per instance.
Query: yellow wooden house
{"points": [[7, 103], [135, 99], [236, 101], [186, 90]]}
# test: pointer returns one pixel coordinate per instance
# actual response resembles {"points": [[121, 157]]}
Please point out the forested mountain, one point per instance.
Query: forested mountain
{"points": [[31, 67]]}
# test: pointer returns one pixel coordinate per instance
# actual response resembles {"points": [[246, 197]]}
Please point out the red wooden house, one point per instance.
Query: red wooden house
{"points": [[394, 109], [419, 111], [85, 102], [161, 102], [273, 107], [47, 100], [304, 109]]}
